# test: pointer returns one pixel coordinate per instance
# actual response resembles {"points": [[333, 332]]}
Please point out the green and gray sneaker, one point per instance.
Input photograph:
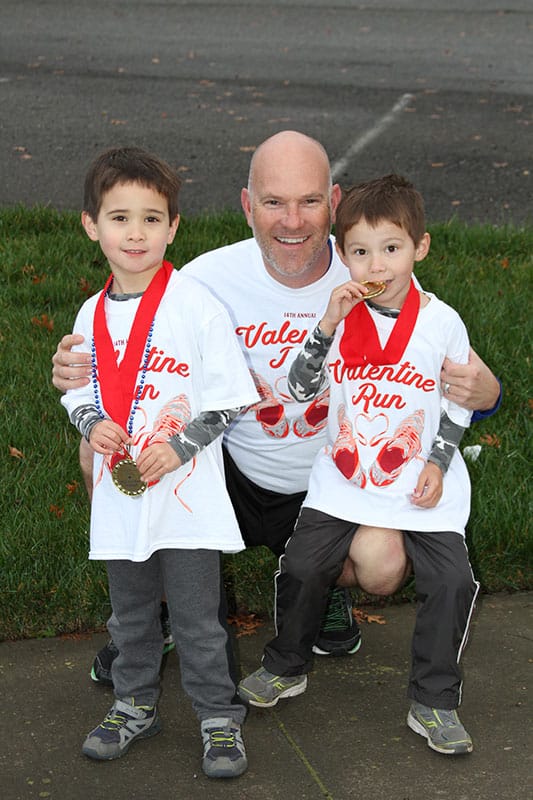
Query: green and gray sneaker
{"points": [[339, 632], [264, 689], [224, 753], [123, 724], [441, 727]]}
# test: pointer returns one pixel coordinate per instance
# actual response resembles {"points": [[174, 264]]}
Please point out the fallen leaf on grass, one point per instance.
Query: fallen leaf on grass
{"points": [[43, 321], [491, 439], [85, 286], [57, 511], [14, 453]]}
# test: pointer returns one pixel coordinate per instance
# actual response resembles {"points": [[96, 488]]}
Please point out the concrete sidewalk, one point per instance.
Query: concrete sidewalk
{"points": [[344, 738]]}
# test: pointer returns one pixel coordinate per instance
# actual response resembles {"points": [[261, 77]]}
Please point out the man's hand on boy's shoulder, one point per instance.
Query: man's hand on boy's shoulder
{"points": [[70, 370], [470, 385]]}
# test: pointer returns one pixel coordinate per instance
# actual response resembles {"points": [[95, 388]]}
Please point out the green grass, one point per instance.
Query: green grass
{"points": [[48, 267]]}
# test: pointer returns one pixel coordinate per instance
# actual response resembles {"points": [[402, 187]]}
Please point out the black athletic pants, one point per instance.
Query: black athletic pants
{"points": [[445, 587]]}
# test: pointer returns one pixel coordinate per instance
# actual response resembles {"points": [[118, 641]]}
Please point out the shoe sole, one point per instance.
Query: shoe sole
{"points": [[225, 772], [153, 730], [292, 691], [461, 749], [337, 651]]}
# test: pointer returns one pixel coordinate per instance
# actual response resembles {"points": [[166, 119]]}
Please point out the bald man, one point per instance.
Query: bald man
{"points": [[276, 286]]}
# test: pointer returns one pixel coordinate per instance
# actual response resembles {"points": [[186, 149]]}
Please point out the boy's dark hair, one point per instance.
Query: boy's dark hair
{"points": [[392, 198], [129, 165]]}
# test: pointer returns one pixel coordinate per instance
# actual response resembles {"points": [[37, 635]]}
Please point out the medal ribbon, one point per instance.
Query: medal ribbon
{"points": [[360, 341], [118, 382]]}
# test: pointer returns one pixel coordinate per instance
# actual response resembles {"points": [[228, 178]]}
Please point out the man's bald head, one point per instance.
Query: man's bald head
{"points": [[290, 146]]}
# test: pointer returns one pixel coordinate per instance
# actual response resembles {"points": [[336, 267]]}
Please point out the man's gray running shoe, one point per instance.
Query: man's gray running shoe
{"points": [[442, 728], [339, 632], [123, 724], [224, 753], [264, 689]]}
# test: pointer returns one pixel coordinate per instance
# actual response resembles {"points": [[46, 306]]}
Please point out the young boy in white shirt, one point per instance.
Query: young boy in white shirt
{"points": [[391, 460], [168, 377]]}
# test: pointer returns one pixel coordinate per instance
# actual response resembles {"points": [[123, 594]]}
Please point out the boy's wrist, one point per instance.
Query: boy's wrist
{"points": [[326, 328]]}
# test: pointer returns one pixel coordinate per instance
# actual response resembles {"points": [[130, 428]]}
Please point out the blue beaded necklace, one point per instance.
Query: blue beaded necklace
{"points": [[138, 395]]}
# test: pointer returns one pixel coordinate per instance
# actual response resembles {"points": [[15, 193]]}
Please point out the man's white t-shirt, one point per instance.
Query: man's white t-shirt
{"points": [[275, 444], [195, 365], [387, 418]]}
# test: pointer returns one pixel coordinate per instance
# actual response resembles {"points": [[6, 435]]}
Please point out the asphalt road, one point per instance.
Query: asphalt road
{"points": [[441, 92]]}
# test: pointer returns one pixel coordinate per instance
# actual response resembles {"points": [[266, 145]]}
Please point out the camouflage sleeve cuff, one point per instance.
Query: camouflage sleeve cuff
{"points": [[307, 377], [84, 418], [446, 442], [200, 432]]}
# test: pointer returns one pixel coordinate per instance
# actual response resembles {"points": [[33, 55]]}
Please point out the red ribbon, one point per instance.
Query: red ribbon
{"points": [[118, 383], [360, 343]]}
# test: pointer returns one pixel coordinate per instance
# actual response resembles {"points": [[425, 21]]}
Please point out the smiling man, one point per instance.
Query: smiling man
{"points": [[276, 286]]}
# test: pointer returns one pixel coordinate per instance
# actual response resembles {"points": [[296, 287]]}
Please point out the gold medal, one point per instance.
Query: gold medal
{"points": [[127, 478], [375, 288]]}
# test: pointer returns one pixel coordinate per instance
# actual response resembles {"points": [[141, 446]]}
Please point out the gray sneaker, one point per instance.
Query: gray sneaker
{"points": [[224, 753], [123, 724], [264, 689], [441, 727]]}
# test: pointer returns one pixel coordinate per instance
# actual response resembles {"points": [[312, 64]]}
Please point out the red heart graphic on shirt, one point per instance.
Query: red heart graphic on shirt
{"points": [[370, 430]]}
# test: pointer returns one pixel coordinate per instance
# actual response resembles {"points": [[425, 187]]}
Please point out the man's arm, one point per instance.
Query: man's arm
{"points": [[70, 370], [471, 385]]}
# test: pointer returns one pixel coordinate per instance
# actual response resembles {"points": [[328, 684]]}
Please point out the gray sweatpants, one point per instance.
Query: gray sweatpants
{"points": [[195, 597], [445, 589]]}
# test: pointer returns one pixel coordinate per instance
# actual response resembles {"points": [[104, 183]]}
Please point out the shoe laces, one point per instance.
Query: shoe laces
{"points": [[439, 717], [117, 719], [222, 737], [336, 616], [445, 717]]}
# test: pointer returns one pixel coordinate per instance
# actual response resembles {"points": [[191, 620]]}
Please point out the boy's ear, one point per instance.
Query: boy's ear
{"points": [[340, 253], [173, 228], [422, 248], [89, 225]]}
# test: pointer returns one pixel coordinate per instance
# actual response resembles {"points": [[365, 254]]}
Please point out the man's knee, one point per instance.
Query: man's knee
{"points": [[380, 563]]}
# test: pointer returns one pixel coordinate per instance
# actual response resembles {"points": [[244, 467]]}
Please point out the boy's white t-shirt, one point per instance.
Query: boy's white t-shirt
{"points": [[274, 446], [400, 405], [195, 365]]}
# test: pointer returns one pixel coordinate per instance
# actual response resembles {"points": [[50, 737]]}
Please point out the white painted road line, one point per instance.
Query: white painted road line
{"points": [[360, 143]]}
